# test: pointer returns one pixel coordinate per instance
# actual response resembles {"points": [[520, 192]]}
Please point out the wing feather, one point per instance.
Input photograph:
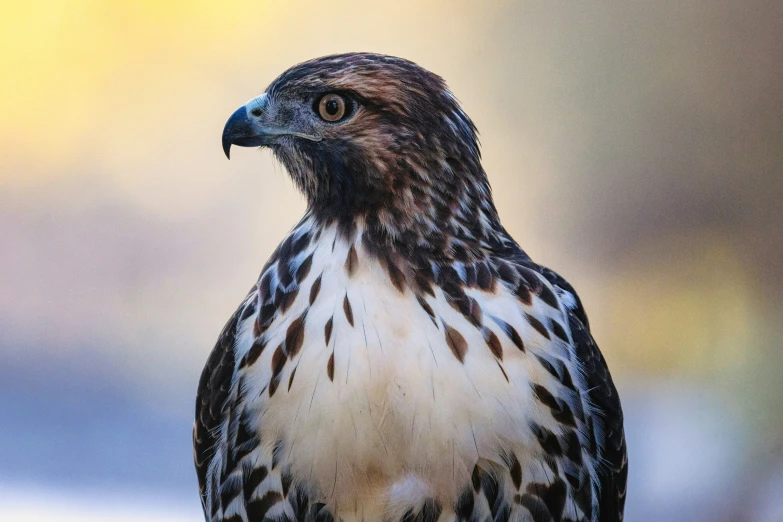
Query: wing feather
{"points": [[212, 408], [603, 397]]}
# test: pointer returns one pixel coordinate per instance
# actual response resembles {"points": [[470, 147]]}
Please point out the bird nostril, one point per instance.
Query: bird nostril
{"points": [[256, 112]]}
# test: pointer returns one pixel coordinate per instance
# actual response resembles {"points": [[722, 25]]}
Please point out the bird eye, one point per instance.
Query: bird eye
{"points": [[332, 107]]}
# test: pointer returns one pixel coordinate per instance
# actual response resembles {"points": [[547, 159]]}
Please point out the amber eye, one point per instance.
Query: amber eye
{"points": [[331, 107]]}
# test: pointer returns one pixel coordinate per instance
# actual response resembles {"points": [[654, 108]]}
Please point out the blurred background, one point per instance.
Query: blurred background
{"points": [[636, 147]]}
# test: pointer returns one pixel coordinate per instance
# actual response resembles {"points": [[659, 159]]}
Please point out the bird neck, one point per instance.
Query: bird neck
{"points": [[460, 225], [442, 206]]}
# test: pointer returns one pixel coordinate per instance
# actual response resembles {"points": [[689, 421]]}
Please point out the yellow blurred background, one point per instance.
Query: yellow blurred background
{"points": [[635, 147]]}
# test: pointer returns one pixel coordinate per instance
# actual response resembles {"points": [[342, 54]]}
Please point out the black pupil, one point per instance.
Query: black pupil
{"points": [[332, 107]]}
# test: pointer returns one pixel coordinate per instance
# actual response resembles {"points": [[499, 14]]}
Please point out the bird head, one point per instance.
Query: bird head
{"points": [[368, 136]]}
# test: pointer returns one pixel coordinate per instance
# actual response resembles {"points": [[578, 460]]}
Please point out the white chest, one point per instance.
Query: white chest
{"points": [[383, 403]]}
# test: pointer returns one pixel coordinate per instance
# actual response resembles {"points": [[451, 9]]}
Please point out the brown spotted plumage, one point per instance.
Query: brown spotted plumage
{"points": [[456, 342], [351, 261], [348, 310], [469, 387], [330, 367]]}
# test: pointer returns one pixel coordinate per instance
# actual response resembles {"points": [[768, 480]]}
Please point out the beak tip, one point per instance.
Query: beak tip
{"points": [[236, 126], [240, 130]]}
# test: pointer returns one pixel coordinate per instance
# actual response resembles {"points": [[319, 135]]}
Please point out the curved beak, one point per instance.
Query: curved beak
{"points": [[252, 126], [247, 128]]}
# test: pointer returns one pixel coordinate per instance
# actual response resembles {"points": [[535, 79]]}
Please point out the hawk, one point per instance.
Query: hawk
{"points": [[400, 358]]}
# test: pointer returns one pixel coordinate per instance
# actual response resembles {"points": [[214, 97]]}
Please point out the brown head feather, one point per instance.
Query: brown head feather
{"points": [[406, 162]]}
